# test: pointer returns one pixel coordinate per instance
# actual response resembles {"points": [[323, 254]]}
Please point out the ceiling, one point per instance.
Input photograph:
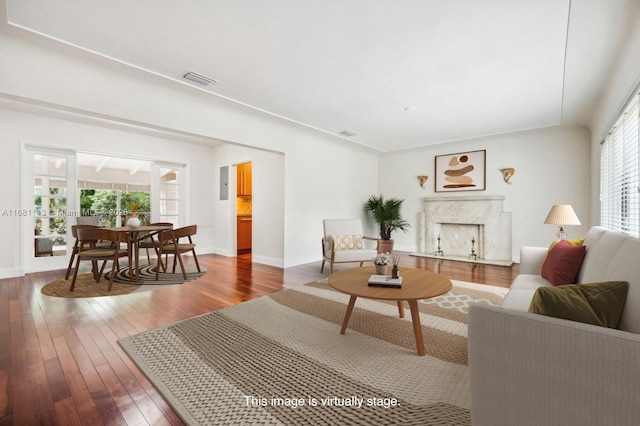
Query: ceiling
{"points": [[398, 74]]}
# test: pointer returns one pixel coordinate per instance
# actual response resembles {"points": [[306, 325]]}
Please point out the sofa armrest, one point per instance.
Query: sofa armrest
{"points": [[531, 259], [529, 369]]}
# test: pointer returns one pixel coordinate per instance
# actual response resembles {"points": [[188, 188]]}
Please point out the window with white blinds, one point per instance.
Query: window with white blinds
{"points": [[619, 164]]}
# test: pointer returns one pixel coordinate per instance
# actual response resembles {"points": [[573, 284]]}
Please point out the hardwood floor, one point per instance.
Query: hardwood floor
{"points": [[60, 362]]}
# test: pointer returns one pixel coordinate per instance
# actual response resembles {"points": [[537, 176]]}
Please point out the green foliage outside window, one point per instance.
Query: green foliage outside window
{"points": [[103, 203]]}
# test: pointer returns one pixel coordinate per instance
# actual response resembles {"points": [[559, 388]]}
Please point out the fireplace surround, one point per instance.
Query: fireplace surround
{"points": [[458, 221]]}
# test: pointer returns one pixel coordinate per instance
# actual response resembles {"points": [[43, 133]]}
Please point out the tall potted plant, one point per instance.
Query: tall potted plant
{"points": [[386, 213]]}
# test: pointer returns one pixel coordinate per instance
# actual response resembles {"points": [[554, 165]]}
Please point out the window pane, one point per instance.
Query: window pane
{"points": [[50, 205], [619, 175], [50, 165], [169, 190], [169, 207], [169, 195]]}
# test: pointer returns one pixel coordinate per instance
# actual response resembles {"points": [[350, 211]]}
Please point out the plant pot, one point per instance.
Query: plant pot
{"points": [[133, 222], [385, 246], [381, 269]]}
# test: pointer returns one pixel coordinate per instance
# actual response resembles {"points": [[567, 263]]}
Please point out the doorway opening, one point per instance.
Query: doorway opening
{"points": [[244, 210]]}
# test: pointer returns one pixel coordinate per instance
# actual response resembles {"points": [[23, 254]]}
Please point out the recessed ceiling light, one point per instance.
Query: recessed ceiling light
{"points": [[198, 78], [347, 133]]}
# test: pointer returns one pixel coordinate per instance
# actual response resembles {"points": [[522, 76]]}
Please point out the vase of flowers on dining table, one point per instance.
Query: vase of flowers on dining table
{"points": [[133, 220]]}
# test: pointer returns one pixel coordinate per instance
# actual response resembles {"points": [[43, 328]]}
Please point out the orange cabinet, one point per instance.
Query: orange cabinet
{"points": [[243, 179], [244, 234]]}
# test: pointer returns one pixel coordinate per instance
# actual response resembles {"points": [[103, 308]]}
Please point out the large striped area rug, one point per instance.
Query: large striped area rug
{"points": [[280, 359]]}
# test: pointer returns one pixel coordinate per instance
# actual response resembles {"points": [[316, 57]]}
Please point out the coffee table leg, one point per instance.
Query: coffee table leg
{"points": [[401, 308], [417, 327], [347, 315]]}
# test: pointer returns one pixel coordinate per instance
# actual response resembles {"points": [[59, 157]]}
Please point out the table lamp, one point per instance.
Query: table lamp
{"points": [[562, 214]]}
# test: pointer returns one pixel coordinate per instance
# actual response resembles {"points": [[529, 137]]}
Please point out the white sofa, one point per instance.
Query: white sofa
{"points": [[529, 369]]}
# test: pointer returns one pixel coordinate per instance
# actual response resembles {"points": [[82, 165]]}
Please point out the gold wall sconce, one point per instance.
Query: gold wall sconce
{"points": [[422, 180], [507, 173]]}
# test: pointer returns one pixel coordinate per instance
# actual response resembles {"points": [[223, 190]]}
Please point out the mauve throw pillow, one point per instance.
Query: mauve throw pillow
{"points": [[563, 263]]}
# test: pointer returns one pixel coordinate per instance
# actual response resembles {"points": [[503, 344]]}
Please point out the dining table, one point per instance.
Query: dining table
{"points": [[135, 235]]}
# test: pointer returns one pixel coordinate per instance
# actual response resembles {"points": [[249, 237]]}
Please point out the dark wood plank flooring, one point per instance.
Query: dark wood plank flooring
{"points": [[60, 363]]}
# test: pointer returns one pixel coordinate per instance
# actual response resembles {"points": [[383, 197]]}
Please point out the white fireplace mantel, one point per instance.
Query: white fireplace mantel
{"points": [[459, 219]]}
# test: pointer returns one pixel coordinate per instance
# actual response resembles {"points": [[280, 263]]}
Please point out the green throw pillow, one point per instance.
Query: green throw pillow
{"points": [[594, 303]]}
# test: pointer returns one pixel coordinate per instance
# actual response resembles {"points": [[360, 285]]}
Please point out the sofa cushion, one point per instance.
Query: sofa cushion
{"points": [[625, 266], [594, 303], [563, 263], [614, 256], [522, 290], [347, 242], [364, 255], [603, 246]]}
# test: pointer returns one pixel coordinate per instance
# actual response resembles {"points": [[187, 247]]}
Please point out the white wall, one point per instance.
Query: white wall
{"points": [[324, 181], [550, 168]]}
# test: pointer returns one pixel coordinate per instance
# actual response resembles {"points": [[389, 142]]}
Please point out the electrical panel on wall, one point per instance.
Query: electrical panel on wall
{"points": [[224, 183]]}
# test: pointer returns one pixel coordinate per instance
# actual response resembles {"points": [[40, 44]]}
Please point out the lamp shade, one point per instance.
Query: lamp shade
{"points": [[562, 214]]}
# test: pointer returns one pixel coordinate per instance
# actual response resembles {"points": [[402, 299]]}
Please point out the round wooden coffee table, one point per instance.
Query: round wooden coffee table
{"points": [[416, 284]]}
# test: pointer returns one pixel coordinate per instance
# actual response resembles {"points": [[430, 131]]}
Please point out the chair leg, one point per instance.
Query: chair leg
{"points": [[129, 259], [113, 273], [75, 274], [73, 256], [184, 273], [104, 263], [322, 266], [94, 270], [160, 263], [158, 267], [196, 259]]}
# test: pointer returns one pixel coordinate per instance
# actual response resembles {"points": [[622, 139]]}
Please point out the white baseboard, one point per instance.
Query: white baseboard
{"points": [[268, 261], [11, 273]]}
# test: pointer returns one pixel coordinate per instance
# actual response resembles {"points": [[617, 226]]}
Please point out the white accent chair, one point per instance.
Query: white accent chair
{"points": [[343, 242]]}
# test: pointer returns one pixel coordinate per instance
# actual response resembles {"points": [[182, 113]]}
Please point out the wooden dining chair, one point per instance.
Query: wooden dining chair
{"points": [[147, 241], [170, 243], [74, 249], [89, 239]]}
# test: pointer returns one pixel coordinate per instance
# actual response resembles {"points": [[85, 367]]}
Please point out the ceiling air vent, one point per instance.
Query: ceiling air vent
{"points": [[198, 78]]}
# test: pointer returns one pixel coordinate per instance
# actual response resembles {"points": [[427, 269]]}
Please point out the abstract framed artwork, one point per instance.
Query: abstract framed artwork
{"points": [[462, 171]]}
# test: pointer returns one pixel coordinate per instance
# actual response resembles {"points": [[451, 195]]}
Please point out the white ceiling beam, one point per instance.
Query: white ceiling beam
{"points": [[135, 169], [101, 165]]}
